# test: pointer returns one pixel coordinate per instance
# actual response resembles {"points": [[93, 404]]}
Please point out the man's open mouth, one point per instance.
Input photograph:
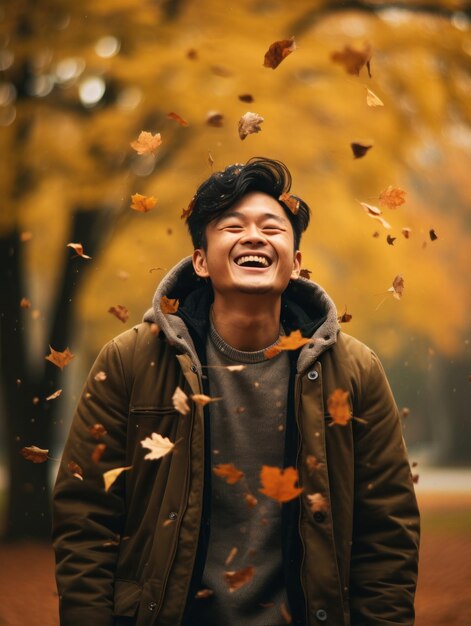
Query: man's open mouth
{"points": [[253, 260]]}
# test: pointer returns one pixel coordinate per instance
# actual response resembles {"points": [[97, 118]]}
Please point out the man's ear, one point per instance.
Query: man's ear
{"points": [[199, 263], [296, 265]]}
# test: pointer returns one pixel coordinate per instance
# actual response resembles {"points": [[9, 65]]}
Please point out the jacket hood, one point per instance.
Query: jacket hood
{"points": [[305, 307]]}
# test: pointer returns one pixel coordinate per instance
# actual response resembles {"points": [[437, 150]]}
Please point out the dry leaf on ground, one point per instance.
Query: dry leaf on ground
{"points": [[279, 484], [180, 401], [229, 472], [34, 454], [235, 580], [61, 359], [278, 51], [249, 123], [159, 446], [147, 143]]}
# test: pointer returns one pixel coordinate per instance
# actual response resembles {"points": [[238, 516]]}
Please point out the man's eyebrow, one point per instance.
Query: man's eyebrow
{"points": [[240, 215]]}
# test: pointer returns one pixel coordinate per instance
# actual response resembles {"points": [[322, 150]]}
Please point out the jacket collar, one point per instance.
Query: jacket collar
{"points": [[305, 307]]}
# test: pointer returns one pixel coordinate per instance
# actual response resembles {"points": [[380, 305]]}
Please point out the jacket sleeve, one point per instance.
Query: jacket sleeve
{"points": [[386, 519], [87, 520]]}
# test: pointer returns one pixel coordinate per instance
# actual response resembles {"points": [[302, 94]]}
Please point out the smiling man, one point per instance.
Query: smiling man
{"points": [[193, 538]]}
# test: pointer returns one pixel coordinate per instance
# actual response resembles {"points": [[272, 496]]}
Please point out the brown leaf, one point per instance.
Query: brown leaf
{"points": [[345, 317], [75, 470], [405, 412], [34, 454], [360, 149], [317, 502], [293, 341], [202, 399], [78, 249], [249, 123], [192, 54], [110, 476], [312, 463], [61, 359], [285, 614], [231, 556], [250, 500], [54, 395], [390, 239], [169, 306], [406, 231], [98, 452], [141, 203], [177, 118], [120, 312], [180, 401], [433, 235], [291, 202], [235, 580], [147, 143], [278, 51], [97, 431], [229, 472], [246, 97], [204, 593], [220, 70], [26, 235], [372, 99], [306, 274], [279, 484], [214, 118], [397, 287], [25, 303], [353, 59], [339, 407], [392, 197]]}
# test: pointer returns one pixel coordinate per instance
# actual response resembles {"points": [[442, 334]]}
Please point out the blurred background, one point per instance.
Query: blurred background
{"points": [[80, 81]]}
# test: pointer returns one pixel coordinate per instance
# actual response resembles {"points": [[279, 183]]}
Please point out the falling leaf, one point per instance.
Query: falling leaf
{"points": [[204, 593], [180, 401], [120, 312], [169, 306], [25, 236], [249, 123], [279, 483], [36, 400], [229, 472], [415, 478], [147, 143], [100, 377], [345, 317], [192, 54], [97, 431], [25, 303], [306, 274], [110, 476], [372, 99], [278, 51], [231, 556], [78, 249], [392, 197], [390, 239], [353, 59], [210, 159], [250, 500], [34, 454], [291, 202], [61, 359], [339, 407], [246, 97], [75, 469], [235, 580], [159, 446], [405, 412], [178, 119], [293, 341], [285, 614], [235, 368], [406, 232], [214, 118], [312, 463], [397, 287], [317, 502], [54, 395], [202, 399], [433, 235], [375, 213], [141, 203], [220, 70], [375, 234], [360, 149], [98, 452]]}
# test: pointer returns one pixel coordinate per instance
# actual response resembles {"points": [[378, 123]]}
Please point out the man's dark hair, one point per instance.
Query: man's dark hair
{"points": [[223, 189]]}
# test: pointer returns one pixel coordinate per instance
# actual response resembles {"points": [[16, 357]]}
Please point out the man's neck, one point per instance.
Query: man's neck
{"points": [[247, 325]]}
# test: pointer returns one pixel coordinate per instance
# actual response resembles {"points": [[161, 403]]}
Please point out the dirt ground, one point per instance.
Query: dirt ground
{"points": [[28, 595]]}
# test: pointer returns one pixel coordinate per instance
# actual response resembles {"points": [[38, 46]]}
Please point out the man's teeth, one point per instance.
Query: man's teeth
{"points": [[253, 259]]}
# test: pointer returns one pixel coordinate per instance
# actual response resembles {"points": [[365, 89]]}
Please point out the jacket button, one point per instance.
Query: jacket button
{"points": [[172, 515], [313, 375], [151, 606], [321, 615], [319, 516], [193, 368]]}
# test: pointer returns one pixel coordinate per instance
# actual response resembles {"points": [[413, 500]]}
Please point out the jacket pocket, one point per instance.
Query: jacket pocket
{"points": [[127, 595]]}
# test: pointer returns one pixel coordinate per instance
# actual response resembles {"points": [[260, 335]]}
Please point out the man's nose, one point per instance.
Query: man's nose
{"points": [[253, 235]]}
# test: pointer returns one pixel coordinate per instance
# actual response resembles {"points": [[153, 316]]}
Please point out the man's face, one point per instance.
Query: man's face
{"points": [[250, 249]]}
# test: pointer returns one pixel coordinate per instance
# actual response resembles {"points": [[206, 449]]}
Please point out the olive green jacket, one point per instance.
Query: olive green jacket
{"points": [[131, 551]]}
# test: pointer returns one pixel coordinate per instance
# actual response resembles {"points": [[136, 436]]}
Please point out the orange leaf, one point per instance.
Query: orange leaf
{"points": [[75, 470], [78, 249], [34, 454], [360, 149], [204, 593], [353, 59], [229, 472], [293, 341], [339, 407], [120, 312], [249, 123], [169, 305], [97, 431], [25, 303], [278, 51], [250, 500], [235, 580], [141, 203], [147, 143], [231, 556], [291, 202], [61, 359], [392, 197], [317, 502], [54, 395], [202, 399], [279, 483], [178, 119]]}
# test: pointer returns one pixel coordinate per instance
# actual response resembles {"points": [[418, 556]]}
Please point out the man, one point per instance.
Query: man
{"points": [[198, 536]]}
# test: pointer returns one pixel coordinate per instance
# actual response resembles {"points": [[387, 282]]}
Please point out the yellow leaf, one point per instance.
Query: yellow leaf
{"points": [[110, 476]]}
